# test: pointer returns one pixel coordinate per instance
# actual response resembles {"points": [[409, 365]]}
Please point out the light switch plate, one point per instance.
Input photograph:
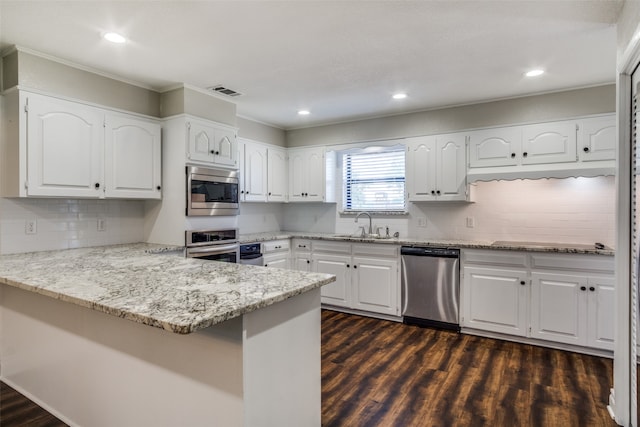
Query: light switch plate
{"points": [[471, 222], [422, 221]]}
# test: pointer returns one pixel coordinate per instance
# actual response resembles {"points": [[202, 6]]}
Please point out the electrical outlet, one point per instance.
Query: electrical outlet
{"points": [[102, 224], [471, 222], [31, 226], [422, 221]]}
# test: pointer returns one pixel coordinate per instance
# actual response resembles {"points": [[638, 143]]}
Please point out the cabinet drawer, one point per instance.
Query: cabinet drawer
{"points": [[322, 246], [582, 263], [275, 246], [378, 249], [494, 258], [302, 245]]}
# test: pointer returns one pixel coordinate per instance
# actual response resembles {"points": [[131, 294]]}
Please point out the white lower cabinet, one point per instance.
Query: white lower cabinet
{"points": [[276, 253], [301, 256], [495, 300], [367, 276], [564, 298]]}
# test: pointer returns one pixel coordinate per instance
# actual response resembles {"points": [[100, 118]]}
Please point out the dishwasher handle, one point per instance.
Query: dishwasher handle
{"points": [[430, 252]]}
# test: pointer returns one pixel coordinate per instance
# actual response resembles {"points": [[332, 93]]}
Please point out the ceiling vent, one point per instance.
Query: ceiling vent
{"points": [[224, 90]]}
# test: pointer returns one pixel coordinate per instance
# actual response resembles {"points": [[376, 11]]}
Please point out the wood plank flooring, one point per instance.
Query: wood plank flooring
{"points": [[380, 373], [18, 411]]}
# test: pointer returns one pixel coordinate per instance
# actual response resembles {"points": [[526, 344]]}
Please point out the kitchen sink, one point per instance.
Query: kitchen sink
{"points": [[359, 236]]}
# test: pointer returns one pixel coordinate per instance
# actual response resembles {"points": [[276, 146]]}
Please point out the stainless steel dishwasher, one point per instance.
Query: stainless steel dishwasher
{"points": [[431, 286]]}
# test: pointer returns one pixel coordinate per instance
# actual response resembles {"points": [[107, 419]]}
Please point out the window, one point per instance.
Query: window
{"points": [[374, 181]]}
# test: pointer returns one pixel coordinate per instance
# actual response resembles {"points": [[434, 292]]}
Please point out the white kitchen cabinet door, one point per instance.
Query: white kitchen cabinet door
{"points": [[375, 285], [132, 158], [201, 142], [225, 147], [451, 166], [337, 293], [421, 174], [597, 139], [307, 175], [558, 308], [601, 309], [495, 147], [549, 143], [208, 143], [255, 172], [302, 262], [277, 260], [65, 143], [277, 183], [495, 300]]}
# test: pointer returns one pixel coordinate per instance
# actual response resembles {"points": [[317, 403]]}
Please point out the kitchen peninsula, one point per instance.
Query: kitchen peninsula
{"points": [[228, 344]]}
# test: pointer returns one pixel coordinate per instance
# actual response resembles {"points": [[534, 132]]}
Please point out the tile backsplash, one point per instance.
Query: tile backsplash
{"points": [[67, 223], [572, 210]]}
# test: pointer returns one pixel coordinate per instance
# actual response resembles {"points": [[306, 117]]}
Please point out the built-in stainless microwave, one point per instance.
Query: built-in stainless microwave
{"points": [[211, 191]]}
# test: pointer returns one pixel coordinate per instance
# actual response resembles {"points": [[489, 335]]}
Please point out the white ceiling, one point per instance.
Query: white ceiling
{"points": [[342, 60]]}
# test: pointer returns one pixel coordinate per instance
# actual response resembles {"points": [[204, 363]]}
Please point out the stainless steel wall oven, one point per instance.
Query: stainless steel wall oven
{"points": [[213, 245], [211, 191]]}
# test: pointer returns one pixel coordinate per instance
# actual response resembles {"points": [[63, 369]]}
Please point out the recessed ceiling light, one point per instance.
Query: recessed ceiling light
{"points": [[114, 37], [303, 113], [399, 96], [534, 73]]}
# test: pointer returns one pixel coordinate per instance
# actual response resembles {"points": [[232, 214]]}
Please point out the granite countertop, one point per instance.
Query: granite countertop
{"points": [[571, 248], [153, 284]]}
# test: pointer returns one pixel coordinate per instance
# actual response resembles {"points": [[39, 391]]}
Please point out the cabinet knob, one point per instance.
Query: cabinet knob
{"points": [[212, 151], [585, 149], [355, 266], [433, 192], [217, 153], [158, 188], [348, 266], [522, 282], [583, 288], [266, 265], [513, 155], [438, 192], [592, 289], [525, 154], [269, 193], [308, 262], [97, 185], [241, 191]]}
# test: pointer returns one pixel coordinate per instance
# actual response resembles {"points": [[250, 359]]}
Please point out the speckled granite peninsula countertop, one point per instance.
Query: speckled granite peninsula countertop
{"points": [[154, 285], [568, 248]]}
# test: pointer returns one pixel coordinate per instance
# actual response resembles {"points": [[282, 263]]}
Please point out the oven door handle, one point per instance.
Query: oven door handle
{"points": [[215, 250]]}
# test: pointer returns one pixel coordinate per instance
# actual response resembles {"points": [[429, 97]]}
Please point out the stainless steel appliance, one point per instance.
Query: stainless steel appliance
{"points": [[211, 191], [251, 254], [431, 286], [213, 245]]}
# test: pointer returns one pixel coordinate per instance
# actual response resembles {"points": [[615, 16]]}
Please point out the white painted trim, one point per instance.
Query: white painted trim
{"points": [[25, 89], [71, 64]]}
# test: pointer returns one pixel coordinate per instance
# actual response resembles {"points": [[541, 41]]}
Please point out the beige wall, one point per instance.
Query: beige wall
{"points": [[261, 132], [10, 70], [553, 106], [197, 103], [43, 74]]}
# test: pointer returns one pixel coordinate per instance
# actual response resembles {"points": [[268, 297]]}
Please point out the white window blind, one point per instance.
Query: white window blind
{"points": [[374, 181]]}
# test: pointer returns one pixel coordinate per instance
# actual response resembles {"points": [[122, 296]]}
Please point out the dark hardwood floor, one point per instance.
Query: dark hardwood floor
{"points": [[380, 373], [18, 411]]}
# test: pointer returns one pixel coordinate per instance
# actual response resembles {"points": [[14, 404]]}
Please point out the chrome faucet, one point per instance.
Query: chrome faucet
{"points": [[369, 215]]}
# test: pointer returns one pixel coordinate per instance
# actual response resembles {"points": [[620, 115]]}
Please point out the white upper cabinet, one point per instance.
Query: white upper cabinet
{"points": [[64, 148], [495, 147], [277, 171], [436, 168], [307, 174], [61, 148], [549, 143], [597, 139], [254, 172], [132, 158], [212, 144], [581, 147]]}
